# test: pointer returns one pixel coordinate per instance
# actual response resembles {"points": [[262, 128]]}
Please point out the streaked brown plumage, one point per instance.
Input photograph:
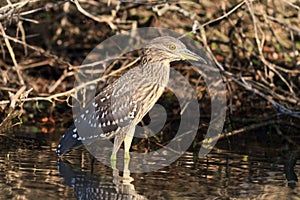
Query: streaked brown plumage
{"points": [[121, 106]]}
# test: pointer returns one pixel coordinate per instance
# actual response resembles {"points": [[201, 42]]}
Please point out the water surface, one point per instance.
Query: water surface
{"points": [[33, 171]]}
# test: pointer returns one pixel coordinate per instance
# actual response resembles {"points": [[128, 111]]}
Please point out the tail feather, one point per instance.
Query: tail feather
{"points": [[69, 141]]}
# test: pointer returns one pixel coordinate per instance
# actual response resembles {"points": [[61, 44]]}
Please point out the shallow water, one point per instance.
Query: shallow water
{"points": [[34, 172]]}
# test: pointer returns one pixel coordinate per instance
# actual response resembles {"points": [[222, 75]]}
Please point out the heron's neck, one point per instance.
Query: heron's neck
{"points": [[156, 71]]}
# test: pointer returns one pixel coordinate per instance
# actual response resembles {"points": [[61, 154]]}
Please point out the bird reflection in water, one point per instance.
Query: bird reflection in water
{"points": [[92, 186]]}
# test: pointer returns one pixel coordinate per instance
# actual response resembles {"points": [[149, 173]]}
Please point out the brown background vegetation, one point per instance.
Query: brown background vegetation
{"points": [[256, 45]]}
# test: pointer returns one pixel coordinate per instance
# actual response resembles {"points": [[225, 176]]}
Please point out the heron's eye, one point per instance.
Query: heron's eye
{"points": [[172, 47]]}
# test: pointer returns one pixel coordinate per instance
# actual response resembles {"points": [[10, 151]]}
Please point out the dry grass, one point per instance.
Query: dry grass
{"points": [[255, 44]]}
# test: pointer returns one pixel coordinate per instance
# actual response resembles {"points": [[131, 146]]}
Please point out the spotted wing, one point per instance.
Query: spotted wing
{"points": [[110, 110]]}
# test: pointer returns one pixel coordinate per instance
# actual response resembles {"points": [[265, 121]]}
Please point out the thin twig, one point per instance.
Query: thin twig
{"points": [[106, 19], [12, 55], [225, 15], [15, 97], [37, 49]]}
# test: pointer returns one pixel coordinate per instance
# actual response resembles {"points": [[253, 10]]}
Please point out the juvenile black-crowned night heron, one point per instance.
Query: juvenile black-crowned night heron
{"points": [[122, 105]]}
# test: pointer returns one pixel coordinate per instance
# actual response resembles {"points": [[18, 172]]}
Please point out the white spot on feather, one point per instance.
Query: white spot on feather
{"points": [[102, 135]]}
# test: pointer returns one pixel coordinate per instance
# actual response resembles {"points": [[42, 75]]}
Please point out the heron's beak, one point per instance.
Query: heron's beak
{"points": [[189, 55]]}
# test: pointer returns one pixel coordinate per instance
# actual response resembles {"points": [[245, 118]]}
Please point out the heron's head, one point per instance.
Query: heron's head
{"points": [[170, 48]]}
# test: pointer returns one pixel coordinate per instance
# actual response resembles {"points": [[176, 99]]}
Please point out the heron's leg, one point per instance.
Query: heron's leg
{"points": [[127, 142], [117, 143]]}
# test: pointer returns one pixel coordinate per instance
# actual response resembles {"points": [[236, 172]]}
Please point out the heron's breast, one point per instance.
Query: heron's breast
{"points": [[147, 98]]}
